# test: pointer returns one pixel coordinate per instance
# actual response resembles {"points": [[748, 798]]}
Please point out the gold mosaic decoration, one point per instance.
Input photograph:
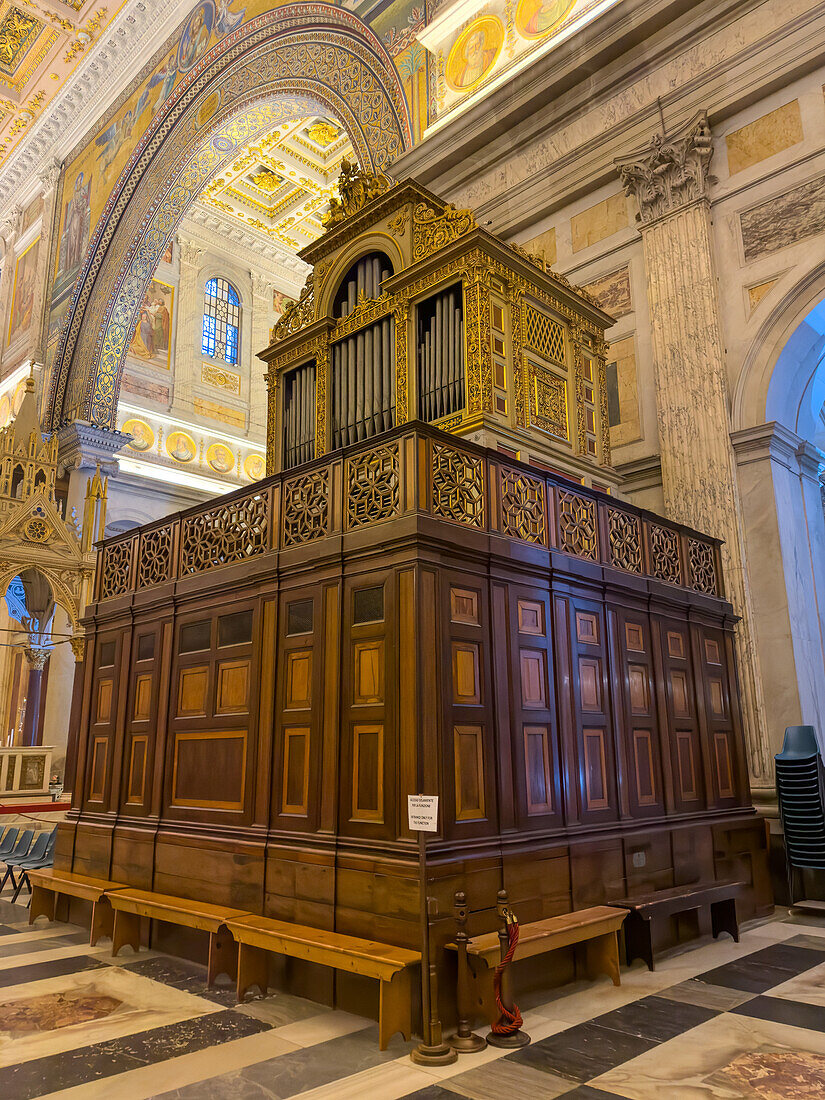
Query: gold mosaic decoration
{"points": [[18, 33]]}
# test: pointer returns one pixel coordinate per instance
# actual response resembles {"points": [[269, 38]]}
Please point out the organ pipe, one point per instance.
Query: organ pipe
{"points": [[440, 355], [299, 415], [363, 386]]}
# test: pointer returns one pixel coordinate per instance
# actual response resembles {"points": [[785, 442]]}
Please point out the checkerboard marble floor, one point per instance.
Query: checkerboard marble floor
{"points": [[722, 1020]]}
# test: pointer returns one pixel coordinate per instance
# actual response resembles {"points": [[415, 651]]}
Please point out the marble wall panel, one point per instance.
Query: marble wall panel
{"points": [[768, 135], [784, 220], [214, 411], [544, 245], [612, 292], [623, 393], [142, 387], [599, 222]]}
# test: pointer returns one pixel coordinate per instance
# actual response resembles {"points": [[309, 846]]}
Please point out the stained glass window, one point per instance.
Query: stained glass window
{"points": [[221, 320]]}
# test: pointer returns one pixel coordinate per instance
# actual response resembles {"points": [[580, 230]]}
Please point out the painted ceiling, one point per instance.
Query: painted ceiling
{"points": [[281, 184], [42, 42]]}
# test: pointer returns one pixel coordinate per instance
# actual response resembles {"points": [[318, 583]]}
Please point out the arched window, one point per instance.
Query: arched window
{"points": [[221, 320]]}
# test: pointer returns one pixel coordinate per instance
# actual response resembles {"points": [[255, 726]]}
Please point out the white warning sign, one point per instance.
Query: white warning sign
{"points": [[422, 810]]}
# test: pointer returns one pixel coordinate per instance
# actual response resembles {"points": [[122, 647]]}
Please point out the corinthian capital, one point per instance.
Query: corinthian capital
{"points": [[671, 172], [11, 224], [49, 175], [190, 252]]}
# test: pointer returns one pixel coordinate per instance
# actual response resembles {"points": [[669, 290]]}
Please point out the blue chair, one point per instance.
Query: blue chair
{"points": [[21, 849], [8, 842], [41, 855]]}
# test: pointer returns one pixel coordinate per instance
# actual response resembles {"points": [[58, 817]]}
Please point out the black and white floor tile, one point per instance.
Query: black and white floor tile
{"points": [[723, 1021]]}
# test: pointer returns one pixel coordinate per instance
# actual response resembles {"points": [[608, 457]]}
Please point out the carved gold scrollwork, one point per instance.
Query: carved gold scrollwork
{"points": [[433, 230], [549, 409], [298, 315], [366, 312]]}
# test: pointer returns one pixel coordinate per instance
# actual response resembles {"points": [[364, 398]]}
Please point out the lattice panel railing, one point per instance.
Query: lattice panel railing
{"points": [[664, 554], [117, 569], [230, 532], [306, 507], [413, 469], [702, 562], [155, 556], [578, 533], [373, 486], [624, 532], [523, 513], [458, 486], [544, 335]]}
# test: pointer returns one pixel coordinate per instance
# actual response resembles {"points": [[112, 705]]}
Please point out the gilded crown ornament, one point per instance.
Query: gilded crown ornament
{"points": [[355, 190]]}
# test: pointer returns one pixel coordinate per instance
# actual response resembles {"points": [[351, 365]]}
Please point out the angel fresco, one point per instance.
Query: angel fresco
{"points": [[225, 20], [76, 222]]}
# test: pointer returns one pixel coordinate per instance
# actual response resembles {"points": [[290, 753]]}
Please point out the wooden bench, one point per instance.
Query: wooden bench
{"points": [[597, 928], [50, 885], [645, 910], [130, 905], [256, 936]]}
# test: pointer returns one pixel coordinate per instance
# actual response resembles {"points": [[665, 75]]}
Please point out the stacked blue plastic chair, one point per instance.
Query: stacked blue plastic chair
{"points": [[41, 855], [8, 842], [21, 849], [800, 785]]}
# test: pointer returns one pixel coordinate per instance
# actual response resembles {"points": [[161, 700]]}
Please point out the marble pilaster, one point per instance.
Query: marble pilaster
{"points": [[262, 291], [189, 313], [9, 232], [669, 180]]}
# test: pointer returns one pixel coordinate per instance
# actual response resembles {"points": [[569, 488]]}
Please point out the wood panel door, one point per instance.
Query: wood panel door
{"points": [[679, 720], [213, 710], [717, 715], [635, 708], [596, 752], [535, 749], [106, 679], [141, 720]]}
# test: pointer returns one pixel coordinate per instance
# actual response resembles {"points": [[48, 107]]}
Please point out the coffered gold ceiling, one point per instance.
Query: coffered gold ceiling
{"points": [[41, 43], [281, 184]]}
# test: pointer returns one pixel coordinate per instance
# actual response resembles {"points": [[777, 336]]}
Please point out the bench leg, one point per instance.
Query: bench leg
{"points": [[253, 969], [103, 919], [223, 955], [638, 940], [126, 931], [395, 1008], [723, 918], [42, 904], [602, 956]]}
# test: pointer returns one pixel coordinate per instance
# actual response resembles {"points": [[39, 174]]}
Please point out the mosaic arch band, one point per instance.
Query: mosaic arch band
{"points": [[252, 75]]}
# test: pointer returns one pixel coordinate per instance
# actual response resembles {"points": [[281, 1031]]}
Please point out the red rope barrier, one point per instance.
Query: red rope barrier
{"points": [[510, 1019]]}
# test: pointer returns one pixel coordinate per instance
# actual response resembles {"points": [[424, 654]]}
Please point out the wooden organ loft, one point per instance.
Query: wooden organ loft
{"points": [[454, 607], [415, 312]]}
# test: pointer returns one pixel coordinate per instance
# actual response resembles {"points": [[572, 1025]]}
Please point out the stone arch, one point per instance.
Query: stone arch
{"points": [[60, 591], [773, 384], [298, 58]]}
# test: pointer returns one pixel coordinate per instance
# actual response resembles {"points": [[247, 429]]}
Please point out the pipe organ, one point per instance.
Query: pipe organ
{"points": [[414, 312]]}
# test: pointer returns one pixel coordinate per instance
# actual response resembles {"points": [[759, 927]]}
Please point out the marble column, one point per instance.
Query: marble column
{"points": [[669, 180], [261, 322], [34, 689], [189, 319]]}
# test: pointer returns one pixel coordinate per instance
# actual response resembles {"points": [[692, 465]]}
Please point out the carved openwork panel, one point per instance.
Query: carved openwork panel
{"points": [[625, 536], [523, 513], [155, 557], [458, 486], [702, 567], [223, 534], [577, 526], [664, 554], [544, 335], [117, 568], [373, 486], [306, 507], [549, 408]]}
